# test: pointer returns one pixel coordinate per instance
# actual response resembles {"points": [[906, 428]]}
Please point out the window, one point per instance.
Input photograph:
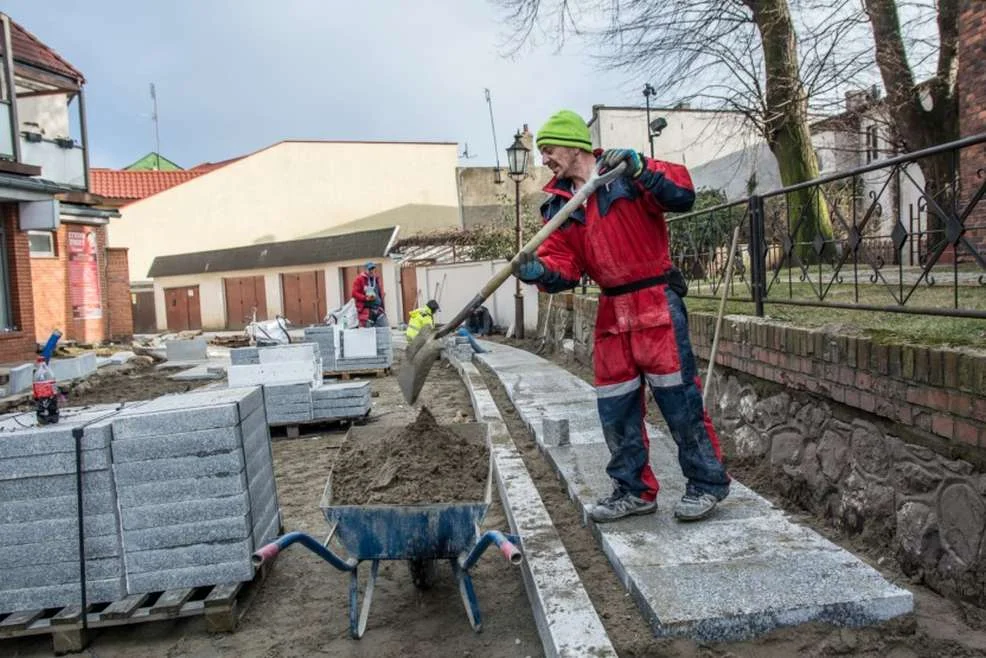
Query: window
{"points": [[872, 144], [42, 243]]}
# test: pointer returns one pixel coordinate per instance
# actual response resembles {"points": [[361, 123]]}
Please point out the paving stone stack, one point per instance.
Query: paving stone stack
{"points": [[288, 403], [276, 364], [39, 511], [334, 361], [342, 400], [195, 482]]}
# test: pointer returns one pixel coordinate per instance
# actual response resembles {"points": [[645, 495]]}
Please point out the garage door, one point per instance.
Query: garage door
{"points": [[183, 308], [244, 296], [142, 309], [304, 297]]}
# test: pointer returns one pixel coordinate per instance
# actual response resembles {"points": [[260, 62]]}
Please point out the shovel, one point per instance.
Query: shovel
{"points": [[424, 349]]}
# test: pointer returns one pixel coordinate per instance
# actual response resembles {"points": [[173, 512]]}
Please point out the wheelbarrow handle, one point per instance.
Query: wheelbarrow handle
{"points": [[271, 550], [503, 543]]}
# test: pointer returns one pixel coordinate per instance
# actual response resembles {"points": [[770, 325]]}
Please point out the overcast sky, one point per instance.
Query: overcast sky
{"points": [[230, 81]]}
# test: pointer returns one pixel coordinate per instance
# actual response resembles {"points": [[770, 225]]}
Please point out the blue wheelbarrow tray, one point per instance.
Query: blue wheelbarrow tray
{"points": [[418, 533]]}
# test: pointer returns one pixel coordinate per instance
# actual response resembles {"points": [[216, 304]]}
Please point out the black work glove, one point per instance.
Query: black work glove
{"points": [[611, 158], [528, 268]]}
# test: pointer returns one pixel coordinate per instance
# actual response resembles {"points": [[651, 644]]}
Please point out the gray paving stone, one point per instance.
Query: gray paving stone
{"points": [[122, 357], [199, 373], [58, 573], [93, 482], [187, 534], [33, 532], [21, 378], [182, 468], [21, 436], [197, 555], [342, 412], [74, 368], [165, 446], [234, 571], [188, 412], [56, 507], [194, 349], [244, 356], [176, 491], [59, 463], [60, 550], [341, 390], [556, 431], [97, 591], [188, 511]]}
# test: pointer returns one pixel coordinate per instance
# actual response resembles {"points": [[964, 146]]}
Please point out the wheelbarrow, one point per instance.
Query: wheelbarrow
{"points": [[422, 534]]}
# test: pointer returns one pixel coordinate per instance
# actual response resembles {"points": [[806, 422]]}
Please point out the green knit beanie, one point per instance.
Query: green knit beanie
{"points": [[565, 128]]}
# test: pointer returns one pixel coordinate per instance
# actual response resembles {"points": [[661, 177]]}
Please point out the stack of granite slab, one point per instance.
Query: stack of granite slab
{"points": [[195, 484], [341, 400], [288, 403], [39, 525], [275, 364], [333, 341]]}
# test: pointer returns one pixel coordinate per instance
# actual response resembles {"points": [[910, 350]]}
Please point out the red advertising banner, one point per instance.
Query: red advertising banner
{"points": [[83, 275]]}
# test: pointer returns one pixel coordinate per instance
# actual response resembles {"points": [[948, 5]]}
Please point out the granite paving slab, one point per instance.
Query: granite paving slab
{"points": [[60, 550], [97, 591], [744, 572], [233, 571], [188, 511]]}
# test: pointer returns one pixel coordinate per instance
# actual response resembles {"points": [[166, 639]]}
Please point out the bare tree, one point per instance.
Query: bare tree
{"points": [[735, 55], [916, 126]]}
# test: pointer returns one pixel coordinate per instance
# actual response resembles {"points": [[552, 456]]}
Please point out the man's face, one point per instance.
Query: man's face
{"points": [[560, 160]]}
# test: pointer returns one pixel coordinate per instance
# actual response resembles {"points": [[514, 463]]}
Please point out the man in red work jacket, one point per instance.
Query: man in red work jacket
{"points": [[620, 239], [368, 293]]}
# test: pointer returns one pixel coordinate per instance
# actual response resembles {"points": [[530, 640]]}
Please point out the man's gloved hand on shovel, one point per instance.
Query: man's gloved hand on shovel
{"points": [[528, 268], [611, 158]]}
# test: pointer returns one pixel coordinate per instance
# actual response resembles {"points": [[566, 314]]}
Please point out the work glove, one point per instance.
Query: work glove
{"points": [[528, 268], [611, 158]]}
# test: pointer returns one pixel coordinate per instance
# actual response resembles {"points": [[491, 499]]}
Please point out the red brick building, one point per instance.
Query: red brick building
{"points": [[55, 270]]}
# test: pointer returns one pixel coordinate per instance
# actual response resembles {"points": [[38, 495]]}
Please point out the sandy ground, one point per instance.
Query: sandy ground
{"points": [[938, 627], [302, 607]]}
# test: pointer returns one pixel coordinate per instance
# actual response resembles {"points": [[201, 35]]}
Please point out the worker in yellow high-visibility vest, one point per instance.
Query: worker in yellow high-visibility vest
{"points": [[421, 318]]}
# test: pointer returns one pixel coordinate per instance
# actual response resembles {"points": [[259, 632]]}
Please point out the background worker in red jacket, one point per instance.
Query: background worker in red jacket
{"points": [[620, 239], [368, 293]]}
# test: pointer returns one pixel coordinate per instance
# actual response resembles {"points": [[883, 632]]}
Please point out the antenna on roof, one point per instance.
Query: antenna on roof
{"points": [[157, 132], [466, 154], [497, 178]]}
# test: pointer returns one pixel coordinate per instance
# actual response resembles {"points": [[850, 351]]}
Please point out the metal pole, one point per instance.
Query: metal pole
{"points": [[648, 90], [8, 62], [518, 297], [722, 309], [84, 136], [758, 265]]}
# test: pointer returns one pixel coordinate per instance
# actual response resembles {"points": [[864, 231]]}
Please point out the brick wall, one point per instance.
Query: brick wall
{"points": [[17, 345], [52, 299], [121, 323], [940, 394], [972, 108]]}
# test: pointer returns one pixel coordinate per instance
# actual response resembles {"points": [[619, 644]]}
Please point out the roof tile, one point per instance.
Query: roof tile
{"points": [[135, 185]]}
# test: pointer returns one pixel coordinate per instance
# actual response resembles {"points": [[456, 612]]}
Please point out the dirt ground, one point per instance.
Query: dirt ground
{"points": [[302, 607], [939, 627], [135, 380]]}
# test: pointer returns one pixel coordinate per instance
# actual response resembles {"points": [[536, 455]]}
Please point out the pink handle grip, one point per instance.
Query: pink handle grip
{"points": [[265, 553], [511, 552]]}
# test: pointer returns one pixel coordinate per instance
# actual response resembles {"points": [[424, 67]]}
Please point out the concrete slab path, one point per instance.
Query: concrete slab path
{"points": [[740, 574]]}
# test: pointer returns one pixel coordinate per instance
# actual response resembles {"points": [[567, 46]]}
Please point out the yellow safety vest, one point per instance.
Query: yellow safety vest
{"points": [[420, 318]]}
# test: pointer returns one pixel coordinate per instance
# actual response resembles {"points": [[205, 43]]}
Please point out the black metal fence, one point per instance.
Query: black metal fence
{"points": [[906, 235]]}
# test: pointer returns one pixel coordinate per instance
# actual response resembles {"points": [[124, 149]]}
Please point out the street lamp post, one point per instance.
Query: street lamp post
{"points": [[648, 92], [517, 156]]}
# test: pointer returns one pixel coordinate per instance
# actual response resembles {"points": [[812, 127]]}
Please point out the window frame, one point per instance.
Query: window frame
{"points": [[52, 253]]}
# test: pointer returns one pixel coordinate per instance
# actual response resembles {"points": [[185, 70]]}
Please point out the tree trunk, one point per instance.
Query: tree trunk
{"points": [[786, 126], [919, 128]]}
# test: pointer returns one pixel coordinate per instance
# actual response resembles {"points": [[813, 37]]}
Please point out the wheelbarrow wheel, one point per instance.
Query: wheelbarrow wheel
{"points": [[423, 573]]}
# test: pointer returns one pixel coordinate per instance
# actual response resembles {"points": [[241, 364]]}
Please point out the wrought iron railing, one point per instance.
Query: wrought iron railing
{"points": [[903, 230]]}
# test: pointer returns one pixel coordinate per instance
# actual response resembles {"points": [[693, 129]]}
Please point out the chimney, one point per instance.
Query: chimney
{"points": [[856, 100], [526, 138]]}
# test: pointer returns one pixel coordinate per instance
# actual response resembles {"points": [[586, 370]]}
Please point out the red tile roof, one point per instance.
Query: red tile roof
{"points": [[134, 185], [209, 166], [31, 50]]}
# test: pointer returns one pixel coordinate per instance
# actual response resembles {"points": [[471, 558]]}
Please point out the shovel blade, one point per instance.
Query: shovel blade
{"points": [[419, 357]]}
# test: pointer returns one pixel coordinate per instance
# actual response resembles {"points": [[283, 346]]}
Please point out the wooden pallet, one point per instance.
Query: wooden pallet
{"points": [[222, 606], [346, 375]]}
